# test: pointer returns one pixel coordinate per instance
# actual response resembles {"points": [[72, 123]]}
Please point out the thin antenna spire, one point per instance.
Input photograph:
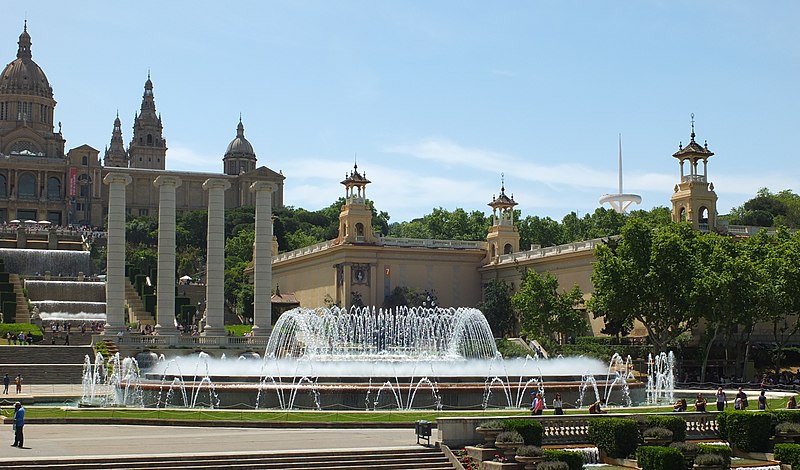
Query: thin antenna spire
{"points": [[502, 183], [25, 25], [692, 136], [620, 163]]}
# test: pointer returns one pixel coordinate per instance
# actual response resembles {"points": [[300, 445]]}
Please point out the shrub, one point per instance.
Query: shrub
{"points": [[493, 424], [574, 460], [659, 458], [556, 465], [509, 437], [747, 431], [688, 449], [718, 449], [531, 430], [788, 454], [710, 460], [530, 451], [657, 433], [787, 427], [786, 416], [617, 437], [676, 424]]}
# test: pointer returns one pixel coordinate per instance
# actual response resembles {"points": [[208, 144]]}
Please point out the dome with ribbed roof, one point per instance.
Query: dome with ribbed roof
{"points": [[23, 76], [240, 146]]}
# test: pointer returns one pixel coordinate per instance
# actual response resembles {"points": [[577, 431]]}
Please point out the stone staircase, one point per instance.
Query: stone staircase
{"points": [[44, 364], [380, 459], [23, 314], [136, 311]]}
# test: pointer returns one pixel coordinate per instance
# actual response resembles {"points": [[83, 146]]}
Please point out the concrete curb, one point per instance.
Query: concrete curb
{"points": [[221, 423]]}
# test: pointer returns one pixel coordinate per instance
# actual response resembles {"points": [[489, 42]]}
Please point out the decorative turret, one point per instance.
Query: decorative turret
{"points": [[116, 155], [694, 199], [503, 237], [239, 157], [355, 219], [148, 148]]}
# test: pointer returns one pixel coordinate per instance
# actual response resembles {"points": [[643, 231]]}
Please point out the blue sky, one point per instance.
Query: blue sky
{"points": [[437, 99]]}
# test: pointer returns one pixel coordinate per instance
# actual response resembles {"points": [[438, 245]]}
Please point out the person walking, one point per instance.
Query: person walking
{"points": [[762, 401], [537, 404], [558, 405], [6, 382], [19, 422], [722, 400], [18, 383]]}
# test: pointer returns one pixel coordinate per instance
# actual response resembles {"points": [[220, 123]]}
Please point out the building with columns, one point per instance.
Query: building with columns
{"points": [[40, 181]]}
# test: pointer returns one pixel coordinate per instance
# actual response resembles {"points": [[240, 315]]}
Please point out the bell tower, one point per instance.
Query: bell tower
{"points": [[115, 154], [355, 219], [694, 199], [503, 237], [148, 149]]}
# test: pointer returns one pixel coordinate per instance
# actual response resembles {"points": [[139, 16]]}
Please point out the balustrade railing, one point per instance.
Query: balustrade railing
{"points": [[549, 251], [183, 341], [566, 429]]}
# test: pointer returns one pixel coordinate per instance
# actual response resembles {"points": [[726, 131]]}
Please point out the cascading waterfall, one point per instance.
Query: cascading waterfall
{"points": [[29, 262], [68, 300]]}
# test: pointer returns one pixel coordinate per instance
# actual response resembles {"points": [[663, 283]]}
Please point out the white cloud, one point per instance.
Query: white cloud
{"points": [[183, 158]]}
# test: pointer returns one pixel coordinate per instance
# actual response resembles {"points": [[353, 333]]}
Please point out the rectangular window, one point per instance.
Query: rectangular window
{"points": [[4, 111], [143, 212], [24, 111]]}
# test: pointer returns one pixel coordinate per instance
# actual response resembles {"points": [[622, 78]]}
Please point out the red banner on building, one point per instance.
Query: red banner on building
{"points": [[73, 182]]}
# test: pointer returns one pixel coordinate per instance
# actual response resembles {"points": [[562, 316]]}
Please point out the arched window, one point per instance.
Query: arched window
{"points": [[85, 160], [3, 186], [149, 139], [27, 186], [359, 231], [682, 215], [703, 214], [53, 188], [493, 251], [507, 249]]}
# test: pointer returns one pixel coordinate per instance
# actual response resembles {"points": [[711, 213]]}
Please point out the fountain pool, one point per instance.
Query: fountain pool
{"points": [[370, 359]]}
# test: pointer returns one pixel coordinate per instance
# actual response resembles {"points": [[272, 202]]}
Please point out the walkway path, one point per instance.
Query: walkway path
{"points": [[74, 440]]}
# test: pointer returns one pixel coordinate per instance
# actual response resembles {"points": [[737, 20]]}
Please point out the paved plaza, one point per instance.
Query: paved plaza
{"points": [[76, 440]]}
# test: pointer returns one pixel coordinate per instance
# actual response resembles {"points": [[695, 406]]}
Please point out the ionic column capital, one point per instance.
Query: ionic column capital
{"points": [[262, 186], [167, 180], [216, 183], [117, 178]]}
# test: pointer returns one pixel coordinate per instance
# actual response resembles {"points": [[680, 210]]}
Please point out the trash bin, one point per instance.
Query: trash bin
{"points": [[423, 430]]}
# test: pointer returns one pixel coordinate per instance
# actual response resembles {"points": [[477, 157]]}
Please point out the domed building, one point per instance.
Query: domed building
{"points": [[38, 181]]}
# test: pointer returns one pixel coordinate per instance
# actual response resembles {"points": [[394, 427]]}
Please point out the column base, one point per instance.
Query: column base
{"points": [[112, 330], [258, 331], [213, 331], [161, 331]]}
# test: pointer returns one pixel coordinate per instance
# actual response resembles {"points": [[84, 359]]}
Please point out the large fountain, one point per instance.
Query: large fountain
{"points": [[371, 359]]}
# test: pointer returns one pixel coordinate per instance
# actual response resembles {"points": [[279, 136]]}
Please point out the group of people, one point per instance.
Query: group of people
{"points": [[20, 338], [7, 382]]}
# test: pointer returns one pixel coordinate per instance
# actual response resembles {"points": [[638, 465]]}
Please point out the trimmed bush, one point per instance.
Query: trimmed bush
{"points": [[676, 424], [710, 460], [787, 427], [788, 454], [718, 449], [531, 430], [617, 437], [530, 451], [747, 431], [786, 416], [688, 449], [509, 437], [555, 465], [574, 460], [657, 433], [659, 458]]}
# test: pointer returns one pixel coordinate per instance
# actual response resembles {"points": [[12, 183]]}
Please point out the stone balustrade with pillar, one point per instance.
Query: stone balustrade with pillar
{"points": [[262, 259], [215, 257], [115, 253], [165, 287]]}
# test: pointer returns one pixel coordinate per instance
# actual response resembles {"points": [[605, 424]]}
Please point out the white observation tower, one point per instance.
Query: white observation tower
{"points": [[620, 201]]}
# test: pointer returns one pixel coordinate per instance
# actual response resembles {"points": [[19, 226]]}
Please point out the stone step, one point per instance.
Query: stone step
{"points": [[44, 354], [382, 459], [39, 374]]}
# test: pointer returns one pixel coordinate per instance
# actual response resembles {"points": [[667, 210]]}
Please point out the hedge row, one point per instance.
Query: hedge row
{"points": [[659, 458], [788, 454], [747, 431], [617, 437], [573, 459], [531, 430], [675, 424]]}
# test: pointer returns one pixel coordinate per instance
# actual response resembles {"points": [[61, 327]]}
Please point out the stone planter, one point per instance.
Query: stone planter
{"points": [[489, 435], [656, 441], [529, 462], [708, 467], [509, 448], [786, 437]]}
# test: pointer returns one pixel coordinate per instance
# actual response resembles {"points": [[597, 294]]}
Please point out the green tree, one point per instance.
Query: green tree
{"points": [[649, 276], [784, 314], [497, 308], [543, 311]]}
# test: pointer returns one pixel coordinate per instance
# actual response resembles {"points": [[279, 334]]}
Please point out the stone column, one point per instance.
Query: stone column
{"points": [[115, 253], [262, 259], [215, 257], [165, 287]]}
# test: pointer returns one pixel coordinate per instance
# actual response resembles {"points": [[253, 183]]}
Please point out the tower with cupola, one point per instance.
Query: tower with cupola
{"points": [[355, 218], [503, 237], [694, 199], [239, 156], [115, 154]]}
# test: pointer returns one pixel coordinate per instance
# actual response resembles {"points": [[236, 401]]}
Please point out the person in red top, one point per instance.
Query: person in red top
{"points": [[537, 404]]}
